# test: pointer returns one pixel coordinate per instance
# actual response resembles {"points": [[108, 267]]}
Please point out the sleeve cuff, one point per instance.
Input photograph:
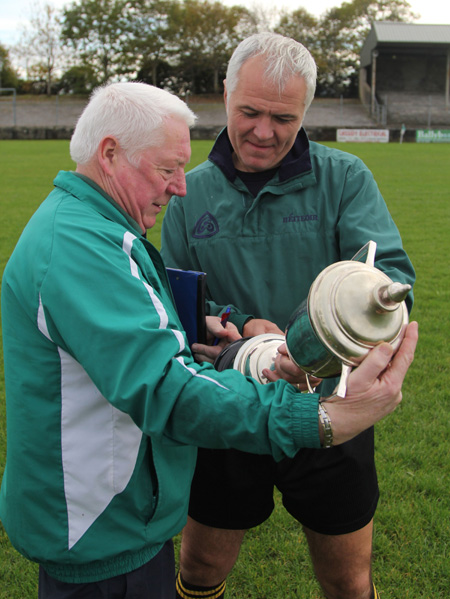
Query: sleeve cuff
{"points": [[305, 420]]}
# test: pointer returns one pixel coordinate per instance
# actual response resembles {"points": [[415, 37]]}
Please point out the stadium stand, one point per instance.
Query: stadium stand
{"points": [[405, 74]]}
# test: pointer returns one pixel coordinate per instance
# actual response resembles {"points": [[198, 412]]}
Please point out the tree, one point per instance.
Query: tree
{"points": [[39, 47], [79, 79], [360, 14], [342, 33], [98, 30], [332, 70], [146, 47], [302, 26], [335, 39], [203, 36], [8, 77], [260, 18]]}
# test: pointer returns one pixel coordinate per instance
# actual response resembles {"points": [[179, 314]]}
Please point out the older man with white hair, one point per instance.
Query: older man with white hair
{"points": [[105, 403]]}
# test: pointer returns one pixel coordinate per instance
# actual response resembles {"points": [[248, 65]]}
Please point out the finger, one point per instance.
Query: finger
{"points": [[270, 375], [405, 354], [202, 358], [210, 351], [213, 325], [379, 357], [285, 366], [283, 350], [371, 367], [232, 332]]}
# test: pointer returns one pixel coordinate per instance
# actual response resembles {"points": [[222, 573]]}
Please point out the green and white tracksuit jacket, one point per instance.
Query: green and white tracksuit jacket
{"points": [[261, 254], [105, 404]]}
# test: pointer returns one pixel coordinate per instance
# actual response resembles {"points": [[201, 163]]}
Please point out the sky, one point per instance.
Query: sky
{"points": [[14, 14]]}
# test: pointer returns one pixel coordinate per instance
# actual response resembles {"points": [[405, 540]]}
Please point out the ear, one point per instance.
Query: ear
{"points": [[225, 94], [107, 153]]}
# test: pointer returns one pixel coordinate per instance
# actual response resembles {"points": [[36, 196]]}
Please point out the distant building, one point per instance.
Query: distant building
{"points": [[405, 58]]}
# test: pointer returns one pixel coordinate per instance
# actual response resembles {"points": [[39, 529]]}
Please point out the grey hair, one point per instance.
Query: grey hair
{"points": [[284, 58], [134, 113]]}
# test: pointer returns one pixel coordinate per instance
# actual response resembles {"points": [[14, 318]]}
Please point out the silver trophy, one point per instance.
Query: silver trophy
{"points": [[351, 307]]}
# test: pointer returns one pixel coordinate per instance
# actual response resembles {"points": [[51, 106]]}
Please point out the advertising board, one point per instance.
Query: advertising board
{"points": [[364, 135], [428, 136]]}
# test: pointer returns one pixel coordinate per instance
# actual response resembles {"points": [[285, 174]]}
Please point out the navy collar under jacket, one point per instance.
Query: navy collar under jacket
{"points": [[296, 161]]}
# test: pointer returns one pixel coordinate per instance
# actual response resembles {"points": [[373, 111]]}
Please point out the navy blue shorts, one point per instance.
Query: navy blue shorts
{"points": [[153, 580], [331, 491]]}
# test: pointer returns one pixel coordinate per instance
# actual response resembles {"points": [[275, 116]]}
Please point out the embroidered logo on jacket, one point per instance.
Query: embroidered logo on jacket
{"points": [[206, 226], [299, 218]]}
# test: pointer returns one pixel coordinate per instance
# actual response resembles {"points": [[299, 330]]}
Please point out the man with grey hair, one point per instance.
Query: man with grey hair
{"points": [[263, 217], [105, 403]]}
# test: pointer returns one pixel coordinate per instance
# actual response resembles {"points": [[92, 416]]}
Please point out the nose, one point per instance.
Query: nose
{"points": [[263, 127], [177, 186]]}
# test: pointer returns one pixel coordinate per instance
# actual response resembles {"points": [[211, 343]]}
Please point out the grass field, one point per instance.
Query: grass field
{"points": [[412, 524]]}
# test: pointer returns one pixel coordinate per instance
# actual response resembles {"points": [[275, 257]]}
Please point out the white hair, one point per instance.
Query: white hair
{"points": [[134, 113], [284, 57]]}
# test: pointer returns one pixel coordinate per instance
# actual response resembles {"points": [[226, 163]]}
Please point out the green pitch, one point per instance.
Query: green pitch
{"points": [[412, 523]]}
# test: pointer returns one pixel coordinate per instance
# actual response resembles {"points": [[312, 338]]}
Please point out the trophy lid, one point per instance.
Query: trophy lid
{"points": [[258, 353], [353, 306]]}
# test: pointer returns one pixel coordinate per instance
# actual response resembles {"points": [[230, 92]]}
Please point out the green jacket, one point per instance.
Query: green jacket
{"points": [[105, 404], [261, 254]]}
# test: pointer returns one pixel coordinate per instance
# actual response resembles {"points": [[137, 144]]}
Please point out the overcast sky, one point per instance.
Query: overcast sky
{"points": [[15, 13]]}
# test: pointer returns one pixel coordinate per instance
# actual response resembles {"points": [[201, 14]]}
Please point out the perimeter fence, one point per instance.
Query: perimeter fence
{"points": [[56, 111], [18, 111], [423, 111], [393, 111]]}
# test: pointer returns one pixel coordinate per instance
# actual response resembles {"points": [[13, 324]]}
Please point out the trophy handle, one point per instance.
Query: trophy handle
{"points": [[368, 250], [311, 389], [341, 389]]}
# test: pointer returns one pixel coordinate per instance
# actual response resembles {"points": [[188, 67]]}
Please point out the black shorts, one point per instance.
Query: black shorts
{"points": [[331, 491], [153, 580]]}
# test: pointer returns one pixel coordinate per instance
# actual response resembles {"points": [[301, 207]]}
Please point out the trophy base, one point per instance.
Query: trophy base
{"points": [[251, 356]]}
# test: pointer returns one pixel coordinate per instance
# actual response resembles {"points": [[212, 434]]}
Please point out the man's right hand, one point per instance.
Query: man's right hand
{"points": [[374, 388], [260, 326]]}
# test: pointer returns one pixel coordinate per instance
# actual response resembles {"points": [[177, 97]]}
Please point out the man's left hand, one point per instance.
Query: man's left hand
{"points": [[215, 330], [284, 368]]}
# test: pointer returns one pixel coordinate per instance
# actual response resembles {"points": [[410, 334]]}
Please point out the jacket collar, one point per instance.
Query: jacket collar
{"points": [[296, 162], [88, 191]]}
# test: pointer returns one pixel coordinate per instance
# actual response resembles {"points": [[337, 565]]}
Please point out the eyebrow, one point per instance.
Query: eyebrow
{"points": [[286, 115]]}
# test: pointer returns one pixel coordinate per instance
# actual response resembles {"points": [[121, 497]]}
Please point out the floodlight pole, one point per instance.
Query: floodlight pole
{"points": [[447, 82], [374, 79]]}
